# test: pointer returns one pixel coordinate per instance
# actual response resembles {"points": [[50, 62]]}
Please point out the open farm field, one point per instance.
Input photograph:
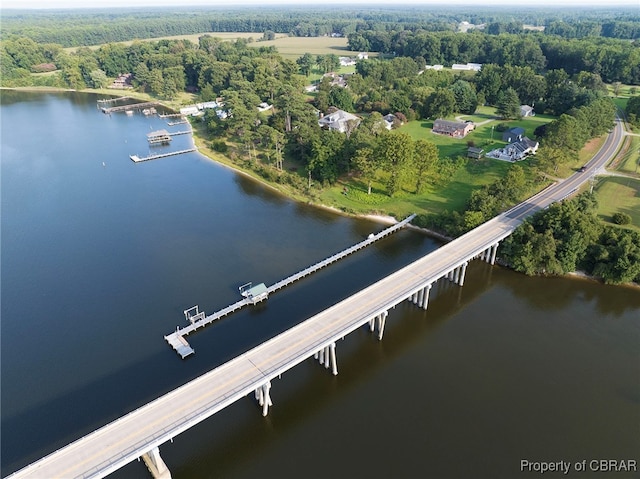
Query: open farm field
{"points": [[294, 47], [618, 194], [193, 37], [623, 90]]}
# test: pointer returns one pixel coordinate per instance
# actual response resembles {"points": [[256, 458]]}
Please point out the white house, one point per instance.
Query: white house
{"points": [[388, 121], [476, 67], [363, 56], [526, 110], [338, 120], [189, 110], [264, 106], [208, 105], [515, 151], [347, 61]]}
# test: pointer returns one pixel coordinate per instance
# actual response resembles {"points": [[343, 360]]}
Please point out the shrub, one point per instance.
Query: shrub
{"points": [[219, 146], [621, 219]]}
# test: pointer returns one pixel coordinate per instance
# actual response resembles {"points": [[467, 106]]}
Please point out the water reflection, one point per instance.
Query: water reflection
{"points": [[555, 294]]}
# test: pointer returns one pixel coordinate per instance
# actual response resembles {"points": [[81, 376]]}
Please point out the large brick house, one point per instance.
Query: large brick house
{"points": [[455, 129]]}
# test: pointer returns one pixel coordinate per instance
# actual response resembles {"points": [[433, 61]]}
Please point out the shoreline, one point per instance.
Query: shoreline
{"points": [[378, 218]]}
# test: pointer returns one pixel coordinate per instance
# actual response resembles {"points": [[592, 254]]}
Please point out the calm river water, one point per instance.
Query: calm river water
{"points": [[100, 256]]}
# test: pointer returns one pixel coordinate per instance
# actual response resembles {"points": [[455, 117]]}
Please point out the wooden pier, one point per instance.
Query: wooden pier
{"points": [[109, 100], [131, 106], [138, 159], [176, 133], [177, 340], [174, 123], [171, 115]]}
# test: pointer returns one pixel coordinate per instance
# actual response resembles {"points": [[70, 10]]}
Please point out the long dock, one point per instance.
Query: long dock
{"points": [[176, 133], [180, 345], [138, 159], [131, 106], [109, 100]]}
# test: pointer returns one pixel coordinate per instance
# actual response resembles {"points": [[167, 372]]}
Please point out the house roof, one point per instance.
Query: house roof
{"points": [[448, 126], [337, 120], [516, 130]]}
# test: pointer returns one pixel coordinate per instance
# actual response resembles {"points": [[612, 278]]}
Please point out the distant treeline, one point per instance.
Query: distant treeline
{"points": [[92, 27], [614, 60]]}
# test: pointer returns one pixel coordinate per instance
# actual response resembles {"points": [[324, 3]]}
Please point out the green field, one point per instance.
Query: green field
{"points": [[629, 159], [618, 194], [193, 37], [453, 195], [294, 47], [483, 136]]}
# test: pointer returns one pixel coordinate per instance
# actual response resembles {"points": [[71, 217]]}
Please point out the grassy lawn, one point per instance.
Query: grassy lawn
{"points": [[620, 102], [351, 195], [482, 136], [625, 90], [617, 194], [629, 157]]}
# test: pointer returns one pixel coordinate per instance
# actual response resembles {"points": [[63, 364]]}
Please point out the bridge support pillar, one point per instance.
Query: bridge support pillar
{"points": [[263, 397], [156, 465], [494, 251], [379, 321], [463, 270], [425, 297], [327, 357], [456, 275]]}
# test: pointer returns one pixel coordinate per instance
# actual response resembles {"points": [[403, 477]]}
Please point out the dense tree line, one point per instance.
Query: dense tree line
{"points": [[563, 138], [568, 237], [73, 28], [613, 60], [633, 110]]}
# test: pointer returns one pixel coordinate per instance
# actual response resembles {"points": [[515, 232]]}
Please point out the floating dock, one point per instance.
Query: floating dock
{"points": [[174, 123], [138, 159], [255, 294]]}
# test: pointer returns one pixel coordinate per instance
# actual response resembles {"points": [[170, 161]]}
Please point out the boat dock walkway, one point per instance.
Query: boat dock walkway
{"points": [[199, 320], [131, 106], [179, 122], [137, 159], [184, 132], [109, 100]]}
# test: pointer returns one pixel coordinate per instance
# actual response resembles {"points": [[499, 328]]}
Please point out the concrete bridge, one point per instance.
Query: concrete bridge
{"points": [[140, 433]]}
